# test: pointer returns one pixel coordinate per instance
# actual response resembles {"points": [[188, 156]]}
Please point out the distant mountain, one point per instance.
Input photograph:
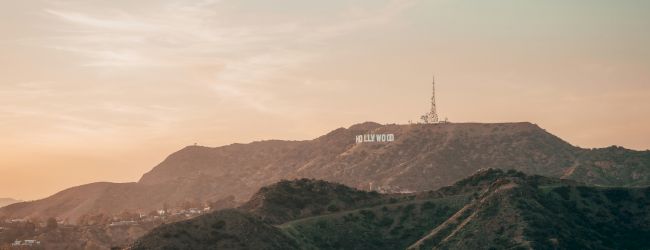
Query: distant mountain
{"points": [[492, 209], [422, 157], [8, 201]]}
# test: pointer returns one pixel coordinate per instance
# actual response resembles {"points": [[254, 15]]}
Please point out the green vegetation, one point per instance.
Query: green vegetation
{"points": [[226, 229], [393, 226], [289, 200], [493, 209]]}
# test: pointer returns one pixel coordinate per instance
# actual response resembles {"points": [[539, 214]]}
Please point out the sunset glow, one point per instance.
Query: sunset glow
{"points": [[105, 91]]}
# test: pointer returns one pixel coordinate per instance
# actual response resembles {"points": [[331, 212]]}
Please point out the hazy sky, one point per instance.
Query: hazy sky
{"points": [[104, 90]]}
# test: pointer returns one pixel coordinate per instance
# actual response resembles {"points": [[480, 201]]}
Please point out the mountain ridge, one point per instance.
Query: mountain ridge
{"points": [[422, 157], [8, 201]]}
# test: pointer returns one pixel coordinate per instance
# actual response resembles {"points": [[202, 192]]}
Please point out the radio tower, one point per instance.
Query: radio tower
{"points": [[433, 114]]}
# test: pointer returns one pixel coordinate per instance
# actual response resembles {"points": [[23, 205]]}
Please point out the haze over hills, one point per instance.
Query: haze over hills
{"points": [[8, 201], [492, 209], [422, 157]]}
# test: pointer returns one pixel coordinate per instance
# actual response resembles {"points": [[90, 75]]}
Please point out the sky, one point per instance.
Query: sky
{"points": [[105, 90]]}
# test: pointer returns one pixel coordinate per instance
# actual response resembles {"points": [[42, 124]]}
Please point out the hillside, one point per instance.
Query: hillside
{"points": [[422, 157], [513, 213], [227, 229], [492, 209], [7, 201], [288, 200]]}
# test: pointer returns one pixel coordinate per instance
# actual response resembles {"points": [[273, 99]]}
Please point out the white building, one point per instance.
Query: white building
{"points": [[25, 243]]}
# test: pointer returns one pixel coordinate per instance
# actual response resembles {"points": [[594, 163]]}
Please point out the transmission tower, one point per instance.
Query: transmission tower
{"points": [[433, 114]]}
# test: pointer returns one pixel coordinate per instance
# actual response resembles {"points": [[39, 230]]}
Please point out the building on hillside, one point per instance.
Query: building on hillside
{"points": [[27, 243], [123, 223], [16, 220]]}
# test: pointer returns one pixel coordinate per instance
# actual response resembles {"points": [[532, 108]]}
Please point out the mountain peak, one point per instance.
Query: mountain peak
{"points": [[291, 199], [365, 126]]}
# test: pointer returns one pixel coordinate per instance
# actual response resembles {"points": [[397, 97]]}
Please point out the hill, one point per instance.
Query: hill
{"points": [[288, 200], [227, 229], [7, 201], [422, 157], [493, 209]]}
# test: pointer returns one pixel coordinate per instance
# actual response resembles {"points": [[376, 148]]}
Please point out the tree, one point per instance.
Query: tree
{"points": [[51, 224], [94, 219], [128, 215], [424, 118]]}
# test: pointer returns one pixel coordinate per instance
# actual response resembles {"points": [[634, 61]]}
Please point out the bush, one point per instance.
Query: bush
{"points": [[333, 208]]}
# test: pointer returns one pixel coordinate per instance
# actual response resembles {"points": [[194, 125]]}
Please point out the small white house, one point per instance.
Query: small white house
{"points": [[26, 243], [31, 242]]}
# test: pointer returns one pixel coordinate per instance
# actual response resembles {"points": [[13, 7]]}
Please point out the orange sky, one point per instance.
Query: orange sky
{"points": [[105, 91]]}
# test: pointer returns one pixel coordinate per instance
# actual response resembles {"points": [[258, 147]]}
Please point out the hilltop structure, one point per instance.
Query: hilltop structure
{"points": [[432, 115]]}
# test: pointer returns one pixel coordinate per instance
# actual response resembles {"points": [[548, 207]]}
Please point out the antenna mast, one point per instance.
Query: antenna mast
{"points": [[433, 114]]}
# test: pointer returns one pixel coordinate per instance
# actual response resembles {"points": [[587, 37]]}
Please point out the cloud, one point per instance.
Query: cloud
{"points": [[123, 22], [249, 65], [181, 33]]}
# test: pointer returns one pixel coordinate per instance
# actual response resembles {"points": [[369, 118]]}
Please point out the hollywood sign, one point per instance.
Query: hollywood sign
{"points": [[375, 138]]}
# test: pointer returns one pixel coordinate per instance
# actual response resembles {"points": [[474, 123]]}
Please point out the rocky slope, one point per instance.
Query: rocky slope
{"points": [[422, 157], [493, 209]]}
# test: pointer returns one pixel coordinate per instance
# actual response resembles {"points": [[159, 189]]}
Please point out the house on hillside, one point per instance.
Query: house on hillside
{"points": [[16, 221], [123, 223], [25, 243]]}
